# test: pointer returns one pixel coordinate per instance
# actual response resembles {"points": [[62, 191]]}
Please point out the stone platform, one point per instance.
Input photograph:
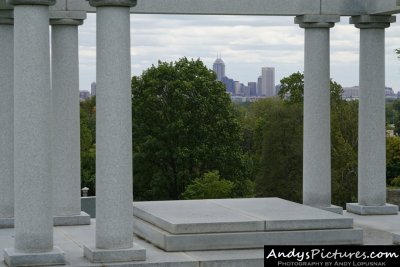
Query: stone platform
{"points": [[196, 225]]}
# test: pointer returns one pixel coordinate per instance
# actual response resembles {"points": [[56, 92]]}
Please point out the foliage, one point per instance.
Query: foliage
{"points": [[184, 125], [278, 131], [392, 158], [344, 149], [88, 147], [292, 89], [395, 182], [210, 186]]}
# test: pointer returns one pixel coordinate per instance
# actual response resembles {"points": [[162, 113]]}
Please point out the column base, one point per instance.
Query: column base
{"points": [[333, 208], [81, 219], [96, 255], [6, 223], [387, 209], [14, 259]]}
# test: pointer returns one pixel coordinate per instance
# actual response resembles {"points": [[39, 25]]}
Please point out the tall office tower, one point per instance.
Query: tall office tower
{"points": [[219, 68], [268, 81], [238, 88], [252, 88], [93, 88], [259, 84]]}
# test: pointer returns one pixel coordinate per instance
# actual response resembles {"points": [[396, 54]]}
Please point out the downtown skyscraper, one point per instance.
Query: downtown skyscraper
{"points": [[268, 81], [219, 68]]}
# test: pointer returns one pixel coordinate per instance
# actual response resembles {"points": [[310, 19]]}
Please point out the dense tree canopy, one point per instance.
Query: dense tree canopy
{"points": [[88, 141], [184, 125], [277, 127]]}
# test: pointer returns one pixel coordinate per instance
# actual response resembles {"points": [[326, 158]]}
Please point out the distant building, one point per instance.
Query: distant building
{"points": [[219, 68], [351, 93], [389, 93], [259, 85], [93, 88], [83, 95], [229, 84], [268, 81], [252, 88]]}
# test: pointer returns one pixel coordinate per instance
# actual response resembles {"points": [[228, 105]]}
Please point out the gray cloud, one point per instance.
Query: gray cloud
{"points": [[246, 43]]}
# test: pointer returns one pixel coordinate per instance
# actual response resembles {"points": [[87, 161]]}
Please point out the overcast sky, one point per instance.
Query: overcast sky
{"points": [[246, 44]]}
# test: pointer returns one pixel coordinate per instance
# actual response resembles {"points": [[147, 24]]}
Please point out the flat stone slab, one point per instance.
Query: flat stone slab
{"points": [[135, 253], [236, 215], [81, 219], [388, 209], [284, 215], [244, 240], [15, 259], [196, 216]]}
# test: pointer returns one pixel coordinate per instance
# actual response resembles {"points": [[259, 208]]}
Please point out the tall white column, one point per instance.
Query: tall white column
{"points": [[114, 193], [6, 120], [371, 130], [32, 138], [317, 134], [65, 122]]}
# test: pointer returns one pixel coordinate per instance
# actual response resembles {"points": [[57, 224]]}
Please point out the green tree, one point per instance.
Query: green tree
{"points": [[279, 134], [88, 147], [392, 158], [292, 89], [184, 125], [277, 128], [210, 186], [344, 149]]}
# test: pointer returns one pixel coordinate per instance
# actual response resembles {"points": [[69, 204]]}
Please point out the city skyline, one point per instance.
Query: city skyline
{"points": [[246, 44]]}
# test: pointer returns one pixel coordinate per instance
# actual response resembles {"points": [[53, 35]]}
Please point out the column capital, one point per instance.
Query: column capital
{"points": [[73, 18], [123, 3], [372, 22], [316, 21], [31, 2]]}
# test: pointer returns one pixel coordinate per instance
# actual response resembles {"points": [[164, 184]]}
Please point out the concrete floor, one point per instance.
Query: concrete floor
{"points": [[377, 230]]}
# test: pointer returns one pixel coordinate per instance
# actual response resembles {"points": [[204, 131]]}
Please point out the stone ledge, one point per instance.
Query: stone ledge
{"points": [[387, 209], [333, 208], [15, 259], [95, 255], [82, 219], [244, 240]]}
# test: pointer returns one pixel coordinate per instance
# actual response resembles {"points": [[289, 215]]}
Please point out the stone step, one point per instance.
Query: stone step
{"points": [[236, 215], [238, 224], [243, 240]]}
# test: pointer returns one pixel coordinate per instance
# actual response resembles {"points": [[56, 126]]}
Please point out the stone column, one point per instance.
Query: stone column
{"points": [[114, 193], [6, 120], [317, 134], [32, 138], [371, 125], [65, 120]]}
